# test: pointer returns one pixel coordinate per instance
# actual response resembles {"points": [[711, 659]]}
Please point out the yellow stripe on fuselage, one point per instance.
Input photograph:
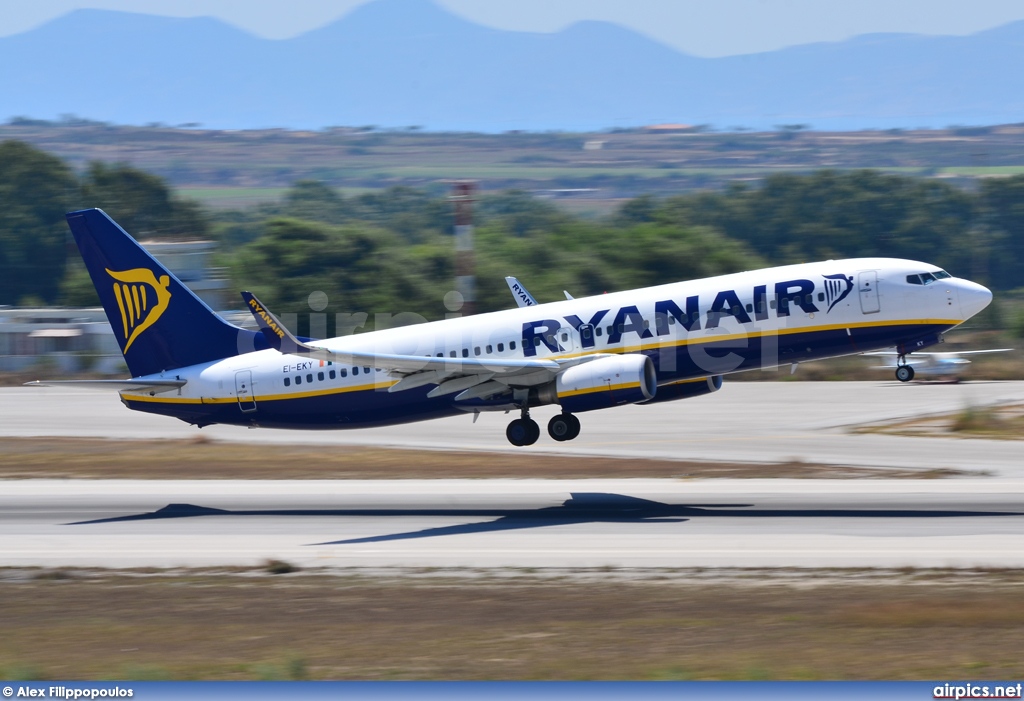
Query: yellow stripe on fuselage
{"points": [[703, 339], [257, 397]]}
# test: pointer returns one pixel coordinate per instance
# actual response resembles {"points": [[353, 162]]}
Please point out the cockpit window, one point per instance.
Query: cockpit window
{"points": [[927, 278]]}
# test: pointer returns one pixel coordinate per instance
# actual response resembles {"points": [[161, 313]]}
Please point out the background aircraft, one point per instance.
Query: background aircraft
{"points": [[949, 364]]}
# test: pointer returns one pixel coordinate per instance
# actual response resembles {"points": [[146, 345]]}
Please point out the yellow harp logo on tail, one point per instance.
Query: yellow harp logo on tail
{"points": [[141, 298]]}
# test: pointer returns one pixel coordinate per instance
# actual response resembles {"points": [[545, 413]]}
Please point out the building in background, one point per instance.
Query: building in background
{"points": [[73, 340]]}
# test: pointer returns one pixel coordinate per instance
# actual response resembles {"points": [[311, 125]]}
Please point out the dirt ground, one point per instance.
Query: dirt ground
{"points": [[760, 625], [24, 458]]}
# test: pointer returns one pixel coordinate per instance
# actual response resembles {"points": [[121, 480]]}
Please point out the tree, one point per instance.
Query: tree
{"points": [[36, 190], [141, 203]]}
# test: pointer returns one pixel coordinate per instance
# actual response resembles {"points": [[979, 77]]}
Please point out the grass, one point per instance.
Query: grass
{"points": [[62, 458], [1004, 422], [248, 625]]}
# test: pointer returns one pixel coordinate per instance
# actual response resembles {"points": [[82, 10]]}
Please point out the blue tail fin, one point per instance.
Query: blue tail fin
{"points": [[158, 322]]}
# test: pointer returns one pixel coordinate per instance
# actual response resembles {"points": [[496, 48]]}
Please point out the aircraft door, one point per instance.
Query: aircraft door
{"points": [[244, 392], [868, 288], [567, 341]]}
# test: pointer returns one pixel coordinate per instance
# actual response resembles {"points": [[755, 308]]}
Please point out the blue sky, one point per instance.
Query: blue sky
{"points": [[699, 27]]}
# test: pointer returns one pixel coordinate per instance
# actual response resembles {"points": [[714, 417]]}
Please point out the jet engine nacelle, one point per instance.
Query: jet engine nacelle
{"points": [[685, 389], [607, 382]]}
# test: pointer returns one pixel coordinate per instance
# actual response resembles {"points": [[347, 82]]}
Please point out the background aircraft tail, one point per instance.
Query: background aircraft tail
{"points": [[158, 322]]}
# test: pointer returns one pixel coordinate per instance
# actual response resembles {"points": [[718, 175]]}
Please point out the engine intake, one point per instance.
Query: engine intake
{"points": [[607, 382], [685, 389]]}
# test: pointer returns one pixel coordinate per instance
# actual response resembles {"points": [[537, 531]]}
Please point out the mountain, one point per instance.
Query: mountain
{"points": [[409, 62]]}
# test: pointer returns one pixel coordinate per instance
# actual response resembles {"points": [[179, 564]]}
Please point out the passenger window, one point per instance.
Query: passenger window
{"points": [[536, 342], [671, 321], [647, 324], [760, 307], [489, 349], [287, 382], [344, 372], [355, 371], [750, 307], [611, 330], [320, 376], [772, 304], [451, 354], [696, 316], [511, 345], [586, 332], [366, 370], [565, 337], [808, 299], [309, 378], [598, 330], [501, 347], [476, 350], [332, 374], [440, 355], [465, 352], [821, 296], [298, 379]]}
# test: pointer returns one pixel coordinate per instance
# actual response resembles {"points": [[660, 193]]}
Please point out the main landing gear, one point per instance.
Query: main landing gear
{"points": [[563, 427], [525, 431], [904, 372]]}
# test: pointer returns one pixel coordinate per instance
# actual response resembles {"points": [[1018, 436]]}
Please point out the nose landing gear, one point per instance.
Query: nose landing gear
{"points": [[904, 372]]}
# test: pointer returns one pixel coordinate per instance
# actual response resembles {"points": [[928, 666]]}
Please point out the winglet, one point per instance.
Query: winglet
{"points": [[522, 297], [277, 335]]}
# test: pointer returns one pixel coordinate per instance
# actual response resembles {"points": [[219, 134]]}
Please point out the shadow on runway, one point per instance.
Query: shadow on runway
{"points": [[582, 507]]}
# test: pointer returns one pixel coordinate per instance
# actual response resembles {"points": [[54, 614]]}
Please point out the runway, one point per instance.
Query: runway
{"points": [[513, 525], [762, 422], [549, 525]]}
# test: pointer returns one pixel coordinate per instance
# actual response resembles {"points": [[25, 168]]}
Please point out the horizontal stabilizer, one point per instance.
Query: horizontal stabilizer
{"points": [[156, 386]]}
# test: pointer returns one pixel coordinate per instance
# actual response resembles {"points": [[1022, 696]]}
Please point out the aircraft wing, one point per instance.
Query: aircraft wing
{"points": [[155, 386], [450, 374], [893, 354], [522, 296]]}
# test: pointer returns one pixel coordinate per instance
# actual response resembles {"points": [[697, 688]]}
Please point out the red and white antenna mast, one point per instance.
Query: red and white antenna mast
{"points": [[465, 277]]}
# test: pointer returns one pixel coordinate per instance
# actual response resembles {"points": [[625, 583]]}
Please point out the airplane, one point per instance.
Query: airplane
{"points": [[949, 364], [643, 346], [522, 296]]}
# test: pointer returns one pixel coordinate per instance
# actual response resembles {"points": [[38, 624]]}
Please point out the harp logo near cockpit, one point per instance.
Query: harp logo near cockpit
{"points": [[141, 299], [836, 288]]}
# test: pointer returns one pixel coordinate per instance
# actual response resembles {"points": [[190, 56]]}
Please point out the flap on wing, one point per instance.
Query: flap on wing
{"points": [[282, 340]]}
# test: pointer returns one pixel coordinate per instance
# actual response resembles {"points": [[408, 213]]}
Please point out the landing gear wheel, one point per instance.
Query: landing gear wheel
{"points": [[522, 432], [563, 427], [904, 373]]}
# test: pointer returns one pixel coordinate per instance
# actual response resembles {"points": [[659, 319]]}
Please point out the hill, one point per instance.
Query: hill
{"points": [[409, 62]]}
